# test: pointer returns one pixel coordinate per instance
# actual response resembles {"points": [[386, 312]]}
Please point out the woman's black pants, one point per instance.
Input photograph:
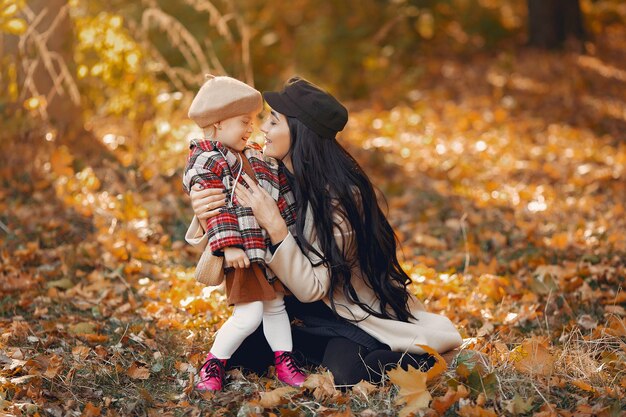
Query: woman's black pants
{"points": [[348, 361]]}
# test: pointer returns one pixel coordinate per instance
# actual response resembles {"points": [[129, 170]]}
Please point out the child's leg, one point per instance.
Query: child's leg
{"points": [[245, 320], [277, 331], [276, 324]]}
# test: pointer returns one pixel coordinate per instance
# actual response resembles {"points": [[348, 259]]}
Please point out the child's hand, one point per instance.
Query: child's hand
{"points": [[236, 258]]}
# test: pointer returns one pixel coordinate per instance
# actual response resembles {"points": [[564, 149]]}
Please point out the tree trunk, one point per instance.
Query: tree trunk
{"points": [[552, 22]]}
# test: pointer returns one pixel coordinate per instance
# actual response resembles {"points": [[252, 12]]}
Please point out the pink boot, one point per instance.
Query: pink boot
{"points": [[211, 374], [287, 370]]}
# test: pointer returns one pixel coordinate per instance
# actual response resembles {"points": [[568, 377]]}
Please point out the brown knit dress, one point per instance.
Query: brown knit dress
{"points": [[249, 284]]}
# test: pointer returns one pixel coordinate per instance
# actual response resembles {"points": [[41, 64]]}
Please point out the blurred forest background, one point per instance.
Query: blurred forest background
{"points": [[494, 128]]}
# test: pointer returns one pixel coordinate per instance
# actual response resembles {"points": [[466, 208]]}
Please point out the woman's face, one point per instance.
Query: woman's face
{"points": [[277, 137]]}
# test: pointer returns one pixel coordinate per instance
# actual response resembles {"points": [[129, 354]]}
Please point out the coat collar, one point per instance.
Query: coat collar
{"points": [[252, 150]]}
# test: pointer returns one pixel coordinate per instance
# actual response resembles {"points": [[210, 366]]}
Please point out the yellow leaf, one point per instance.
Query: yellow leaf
{"points": [[583, 385], [276, 397], [500, 115], [64, 283], [440, 365], [560, 240], [93, 338], [15, 26], [442, 404], [475, 411], [34, 103], [533, 357], [425, 25], [9, 10], [430, 242], [81, 328], [61, 162], [413, 392]]}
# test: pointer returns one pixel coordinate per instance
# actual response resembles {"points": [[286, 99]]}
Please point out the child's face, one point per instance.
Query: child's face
{"points": [[235, 132]]}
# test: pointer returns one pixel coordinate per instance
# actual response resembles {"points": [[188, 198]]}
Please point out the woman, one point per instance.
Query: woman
{"points": [[355, 314]]}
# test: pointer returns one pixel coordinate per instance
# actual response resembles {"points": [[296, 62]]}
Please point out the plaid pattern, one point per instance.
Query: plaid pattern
{"points": [[213, 165]]}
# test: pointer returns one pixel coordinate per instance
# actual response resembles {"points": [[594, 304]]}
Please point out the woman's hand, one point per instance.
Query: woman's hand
{"points": [[264, 208], [236, 258], [206, 203]]}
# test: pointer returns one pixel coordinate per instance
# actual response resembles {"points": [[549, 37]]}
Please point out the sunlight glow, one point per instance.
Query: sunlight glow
{"points": [[113, 141], [187, 301], [447, 277], [163, 127], [82, 71], [584, 169], [109, 138], [536, 206], [510, 317], [163, 97], [418, 278]]}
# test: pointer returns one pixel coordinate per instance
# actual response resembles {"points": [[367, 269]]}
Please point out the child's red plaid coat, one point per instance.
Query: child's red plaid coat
{"points": [[214, 166]]}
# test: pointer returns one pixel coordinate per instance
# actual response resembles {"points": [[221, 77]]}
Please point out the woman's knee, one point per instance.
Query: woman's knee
{"points": [[379, 362], [344, 359]]}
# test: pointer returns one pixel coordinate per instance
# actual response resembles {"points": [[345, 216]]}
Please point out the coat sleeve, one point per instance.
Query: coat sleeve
{"points": [[204, 168], [306, 276], [196, 236]]}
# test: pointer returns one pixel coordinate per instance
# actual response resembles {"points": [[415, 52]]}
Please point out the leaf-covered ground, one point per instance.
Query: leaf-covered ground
{"points": [[505, 177]]}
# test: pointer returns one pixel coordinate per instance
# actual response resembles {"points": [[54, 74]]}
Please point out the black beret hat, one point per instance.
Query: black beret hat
{"points": [[317, 109]]}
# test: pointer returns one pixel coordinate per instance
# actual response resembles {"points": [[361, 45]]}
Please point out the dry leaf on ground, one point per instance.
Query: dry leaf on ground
{"points": [[413, 392], [276, 397], [322, 385], [533, 357], [138, 371], [440, 365]]}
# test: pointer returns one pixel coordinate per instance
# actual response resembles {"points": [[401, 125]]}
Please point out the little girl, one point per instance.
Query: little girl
{"points": [[225, 109]]}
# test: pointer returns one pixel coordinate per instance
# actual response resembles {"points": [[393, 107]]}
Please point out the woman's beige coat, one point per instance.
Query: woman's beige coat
{"points": [[311, 283]]}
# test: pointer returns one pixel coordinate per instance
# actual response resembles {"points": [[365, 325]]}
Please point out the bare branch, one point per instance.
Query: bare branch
{"points": [[176, 32]]}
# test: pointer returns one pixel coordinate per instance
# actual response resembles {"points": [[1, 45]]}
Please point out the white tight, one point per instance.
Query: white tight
{"points": [[245, 320]]}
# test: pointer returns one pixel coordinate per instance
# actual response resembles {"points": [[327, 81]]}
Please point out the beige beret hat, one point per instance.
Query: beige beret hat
{"points": [[221, 98]]}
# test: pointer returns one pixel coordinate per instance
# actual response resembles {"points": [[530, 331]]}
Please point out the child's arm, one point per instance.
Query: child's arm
{"points": [[204, 168]]}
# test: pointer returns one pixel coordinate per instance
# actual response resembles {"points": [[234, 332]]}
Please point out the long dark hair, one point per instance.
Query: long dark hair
{"points": [[329, 180]]}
